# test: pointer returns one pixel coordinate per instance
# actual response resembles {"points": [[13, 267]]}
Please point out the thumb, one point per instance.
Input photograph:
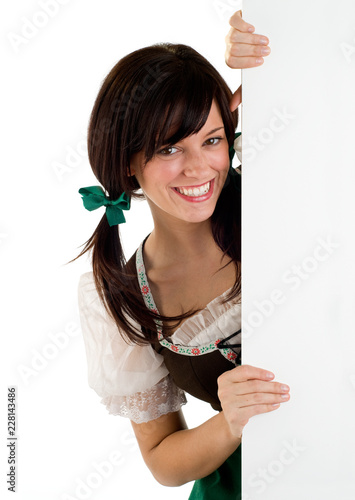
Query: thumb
{"points": [[236, 99]]}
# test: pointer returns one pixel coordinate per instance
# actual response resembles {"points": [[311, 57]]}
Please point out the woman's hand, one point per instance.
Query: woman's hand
{"points": [[246, 391], [244, 49]]}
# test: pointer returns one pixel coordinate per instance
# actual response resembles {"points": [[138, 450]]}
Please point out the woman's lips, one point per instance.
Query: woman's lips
{"points": [[196, 193]]}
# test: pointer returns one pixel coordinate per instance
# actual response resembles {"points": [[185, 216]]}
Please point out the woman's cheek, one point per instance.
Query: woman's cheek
{"points": [[221, 163], [168, 170]]}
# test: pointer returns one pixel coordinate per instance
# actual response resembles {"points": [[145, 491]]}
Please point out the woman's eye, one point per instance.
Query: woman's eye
{"points": [[168, 151], [213, 140]]}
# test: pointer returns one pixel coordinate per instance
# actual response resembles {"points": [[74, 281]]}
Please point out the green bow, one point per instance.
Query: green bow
{"points": [[235, 177], [94, 197]]}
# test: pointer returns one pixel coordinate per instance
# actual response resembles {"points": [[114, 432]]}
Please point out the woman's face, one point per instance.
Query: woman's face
{"points": [[185, 180]]}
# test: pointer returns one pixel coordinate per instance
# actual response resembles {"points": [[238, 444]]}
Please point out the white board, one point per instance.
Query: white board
{"points": [[298, 248]]}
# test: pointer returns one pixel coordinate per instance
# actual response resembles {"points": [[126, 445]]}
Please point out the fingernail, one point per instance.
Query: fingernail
{"points": [[284, 396], [270, 375], [275, 404], [259, 60], [285, 388], [265, 51], [251, 29], [264, 41]]}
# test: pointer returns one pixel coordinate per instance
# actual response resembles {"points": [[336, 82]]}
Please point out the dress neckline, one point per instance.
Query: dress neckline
{"points": [[147, 291], [150, 304]]}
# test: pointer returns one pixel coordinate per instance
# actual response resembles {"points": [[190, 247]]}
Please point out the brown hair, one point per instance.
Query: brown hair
{"points": [[139, 100]]}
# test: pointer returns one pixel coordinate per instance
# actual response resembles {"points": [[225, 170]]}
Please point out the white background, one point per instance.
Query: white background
{"points": [[53, 66], [298, 248], [298, 190]]}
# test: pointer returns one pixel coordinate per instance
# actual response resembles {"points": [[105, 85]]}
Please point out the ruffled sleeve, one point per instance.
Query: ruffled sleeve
{"points": [[132, 380]]}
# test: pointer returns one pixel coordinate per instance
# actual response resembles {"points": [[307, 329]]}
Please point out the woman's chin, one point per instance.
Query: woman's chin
{"points": [[195, 216]]}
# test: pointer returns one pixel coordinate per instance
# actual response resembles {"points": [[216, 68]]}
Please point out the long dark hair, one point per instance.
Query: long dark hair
{"points": [[143, 95]]}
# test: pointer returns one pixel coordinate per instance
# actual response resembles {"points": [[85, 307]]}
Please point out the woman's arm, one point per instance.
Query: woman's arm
{"points": [[176, 455]]}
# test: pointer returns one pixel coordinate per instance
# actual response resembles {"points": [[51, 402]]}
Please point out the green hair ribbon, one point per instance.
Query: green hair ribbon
{"points": [[94, 197]]}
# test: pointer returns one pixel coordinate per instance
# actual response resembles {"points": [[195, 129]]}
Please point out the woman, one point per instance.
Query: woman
{"points": [[168, 320]]}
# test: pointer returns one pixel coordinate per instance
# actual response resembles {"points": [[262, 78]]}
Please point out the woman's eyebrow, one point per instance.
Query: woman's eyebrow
{"points": [[214, 130]]}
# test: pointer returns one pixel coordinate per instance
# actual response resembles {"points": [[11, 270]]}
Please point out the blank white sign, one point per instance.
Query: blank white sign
{"points": [[298, 123]]}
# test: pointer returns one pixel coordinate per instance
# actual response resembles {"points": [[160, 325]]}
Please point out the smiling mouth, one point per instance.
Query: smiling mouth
{"points": [[194, 192]]}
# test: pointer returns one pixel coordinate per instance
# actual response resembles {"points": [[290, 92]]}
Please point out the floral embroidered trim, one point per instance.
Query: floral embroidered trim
{"points": [[149, 302]]}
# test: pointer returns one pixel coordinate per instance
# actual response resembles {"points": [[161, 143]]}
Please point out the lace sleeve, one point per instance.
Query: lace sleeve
{"points": [[162, 398], [125, 376]]}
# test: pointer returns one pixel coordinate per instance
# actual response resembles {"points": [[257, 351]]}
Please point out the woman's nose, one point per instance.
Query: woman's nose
{"points": [[195, 164]]}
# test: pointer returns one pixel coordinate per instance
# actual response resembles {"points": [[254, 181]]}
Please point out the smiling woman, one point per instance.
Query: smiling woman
{"points": [[168, 320], [156, 98]]}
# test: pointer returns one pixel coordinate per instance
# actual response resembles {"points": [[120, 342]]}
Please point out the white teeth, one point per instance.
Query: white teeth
{"points": [[197, 191]]}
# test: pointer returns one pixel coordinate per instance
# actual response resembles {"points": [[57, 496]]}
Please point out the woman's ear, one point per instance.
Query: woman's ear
{"points": [[135, 164], [131, 170], [236, 99]]}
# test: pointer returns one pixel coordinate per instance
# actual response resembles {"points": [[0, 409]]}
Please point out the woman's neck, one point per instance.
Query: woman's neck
{"points": [[185, 267], [179, 243]]}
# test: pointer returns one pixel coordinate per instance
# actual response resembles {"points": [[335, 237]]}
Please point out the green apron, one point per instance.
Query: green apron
{"points": [[223, 484]]}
